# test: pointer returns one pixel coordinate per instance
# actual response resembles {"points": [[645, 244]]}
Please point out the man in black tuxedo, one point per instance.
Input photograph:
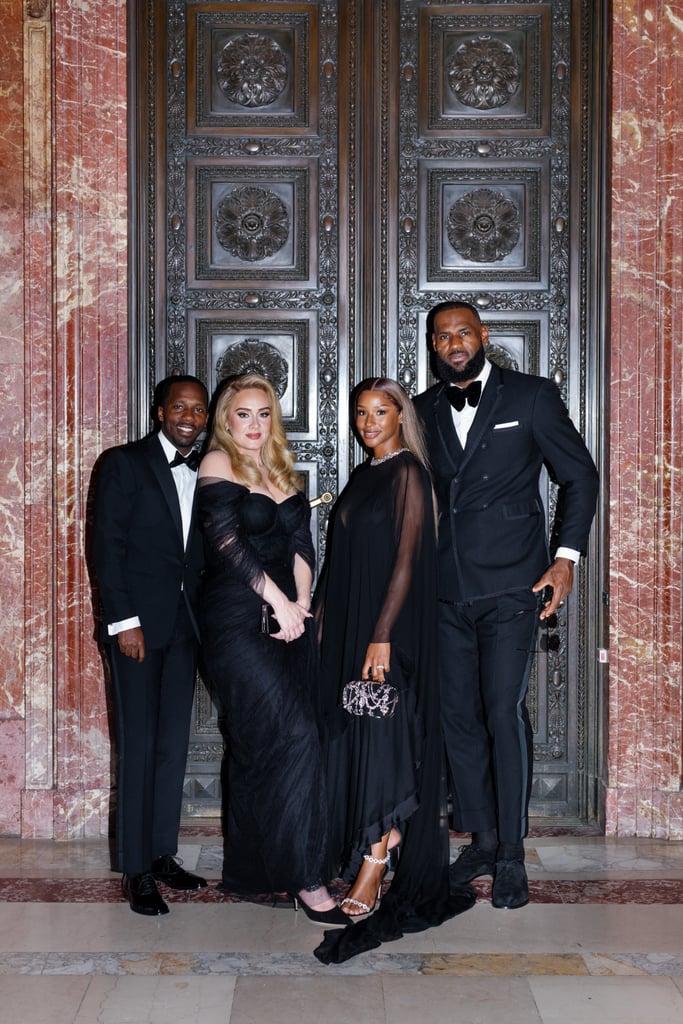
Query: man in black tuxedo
{"points": [[489, 431], [148, 560]]}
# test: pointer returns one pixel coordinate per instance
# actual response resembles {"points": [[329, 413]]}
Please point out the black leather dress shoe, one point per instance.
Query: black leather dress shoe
{"points": [[168, 870], [510, 885], [473, 861], [142, 894]]}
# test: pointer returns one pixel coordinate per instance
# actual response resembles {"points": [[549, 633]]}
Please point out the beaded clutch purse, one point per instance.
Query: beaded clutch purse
{"points": [[373, 700]]}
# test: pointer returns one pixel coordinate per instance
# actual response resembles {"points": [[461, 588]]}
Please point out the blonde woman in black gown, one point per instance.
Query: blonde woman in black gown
{"points": [[259, 567], [376, 620]]}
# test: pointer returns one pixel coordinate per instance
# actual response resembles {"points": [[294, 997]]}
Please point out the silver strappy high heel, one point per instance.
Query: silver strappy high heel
{"points": [[365, 909]]}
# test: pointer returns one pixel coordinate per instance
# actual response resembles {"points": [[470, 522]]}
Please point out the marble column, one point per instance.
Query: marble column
{"points": [[12, 376], [643, 785], [67, 380]]}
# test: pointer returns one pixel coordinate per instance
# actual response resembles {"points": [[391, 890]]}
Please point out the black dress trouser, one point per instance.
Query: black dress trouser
{"points": [[486, 650], [153, 707]]}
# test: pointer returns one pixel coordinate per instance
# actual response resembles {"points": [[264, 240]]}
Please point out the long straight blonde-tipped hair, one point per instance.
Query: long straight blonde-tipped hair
{"points": [[411, 430]]}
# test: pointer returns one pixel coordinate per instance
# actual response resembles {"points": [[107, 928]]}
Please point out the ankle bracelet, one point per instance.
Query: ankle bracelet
{"points": [[376, 860]]}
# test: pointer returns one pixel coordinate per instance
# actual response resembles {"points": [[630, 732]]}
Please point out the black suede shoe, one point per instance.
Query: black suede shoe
{"points": [[510, 885], [142, 894], [473, 861], [168, 870]]}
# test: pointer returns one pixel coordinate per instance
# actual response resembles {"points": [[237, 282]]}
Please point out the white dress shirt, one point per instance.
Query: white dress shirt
{"points": [[185, 480], [464, 419]]}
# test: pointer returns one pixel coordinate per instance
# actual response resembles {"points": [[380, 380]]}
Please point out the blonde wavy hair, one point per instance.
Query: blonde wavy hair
{"points": [[276, 454]]}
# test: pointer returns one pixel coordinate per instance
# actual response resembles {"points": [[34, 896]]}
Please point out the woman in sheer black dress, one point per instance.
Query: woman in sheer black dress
{"points": [[376, 619], [259, 567]]}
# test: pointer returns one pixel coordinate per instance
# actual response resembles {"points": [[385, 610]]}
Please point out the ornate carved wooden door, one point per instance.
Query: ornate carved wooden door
{"points": [[310, 178]]}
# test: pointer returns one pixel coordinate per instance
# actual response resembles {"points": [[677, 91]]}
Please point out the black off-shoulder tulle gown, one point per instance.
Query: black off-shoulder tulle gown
{"points": [[275, 821]]}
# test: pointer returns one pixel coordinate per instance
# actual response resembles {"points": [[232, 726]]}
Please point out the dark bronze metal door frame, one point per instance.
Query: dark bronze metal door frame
{"points": [[309, 178]]}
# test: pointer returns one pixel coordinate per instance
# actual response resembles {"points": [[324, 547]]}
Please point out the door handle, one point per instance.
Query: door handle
{"points": [[323, 499]]}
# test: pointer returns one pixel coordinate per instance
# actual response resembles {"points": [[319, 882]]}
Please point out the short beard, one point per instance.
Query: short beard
{"points": [[470, 371]]}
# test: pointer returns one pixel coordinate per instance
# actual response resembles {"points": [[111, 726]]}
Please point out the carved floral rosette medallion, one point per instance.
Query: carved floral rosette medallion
{"points": [[252, 223], [255, 356], [252, 70], [483, 226], [484, 73]]}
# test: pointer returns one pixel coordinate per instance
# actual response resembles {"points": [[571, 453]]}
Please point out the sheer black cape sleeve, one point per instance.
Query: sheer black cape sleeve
{"points": [[409, 530]]}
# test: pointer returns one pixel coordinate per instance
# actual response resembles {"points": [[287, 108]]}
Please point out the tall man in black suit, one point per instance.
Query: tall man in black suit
{"points": [[489, 431], [148, 561]]}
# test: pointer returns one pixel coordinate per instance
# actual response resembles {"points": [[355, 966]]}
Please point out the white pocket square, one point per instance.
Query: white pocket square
{"points": [[506, 426]]}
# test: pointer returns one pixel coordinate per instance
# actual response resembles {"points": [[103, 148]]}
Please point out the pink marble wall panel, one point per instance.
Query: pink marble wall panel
{"points": [[645, 735], [90, 371], [11, 775], [12, 357], [39, 465], [63, 190], [12, 541], [11, 188], [37, 813]]}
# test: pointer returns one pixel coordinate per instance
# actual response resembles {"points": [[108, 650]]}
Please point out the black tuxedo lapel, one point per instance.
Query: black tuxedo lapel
{"points": [[448, 436], [490, 398], [162, 471]]}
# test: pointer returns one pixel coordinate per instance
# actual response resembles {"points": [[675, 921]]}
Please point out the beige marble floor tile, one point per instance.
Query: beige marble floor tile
{"points": [[609, 858], [86, 858], [160, 1000], [459, 1001], [334, 1000], [607, 1000], [559, 928], [544, 929], [60, 927], [45, 858], [41, 1000]]}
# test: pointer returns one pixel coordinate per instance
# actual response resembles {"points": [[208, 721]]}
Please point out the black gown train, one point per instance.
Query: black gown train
{"points": [[379, 585], [275, 821]]}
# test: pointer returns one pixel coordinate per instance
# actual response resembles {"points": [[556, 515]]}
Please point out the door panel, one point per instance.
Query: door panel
{"points": [[488, 152], [310, 178]]}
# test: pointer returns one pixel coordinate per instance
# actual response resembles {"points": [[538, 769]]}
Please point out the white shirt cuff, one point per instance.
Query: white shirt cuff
{"points": [[118, 627], [568, 553]]}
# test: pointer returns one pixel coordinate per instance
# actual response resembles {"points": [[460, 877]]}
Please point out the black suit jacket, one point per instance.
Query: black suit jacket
{"points": [[141, 565], [492, 530]]}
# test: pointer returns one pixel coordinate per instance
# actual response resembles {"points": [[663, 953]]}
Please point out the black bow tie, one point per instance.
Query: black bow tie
{"points": [[458, 396], [191, 460]]}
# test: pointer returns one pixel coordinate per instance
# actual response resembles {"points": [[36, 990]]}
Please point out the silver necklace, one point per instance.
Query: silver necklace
{"points": [[389, 455]]}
